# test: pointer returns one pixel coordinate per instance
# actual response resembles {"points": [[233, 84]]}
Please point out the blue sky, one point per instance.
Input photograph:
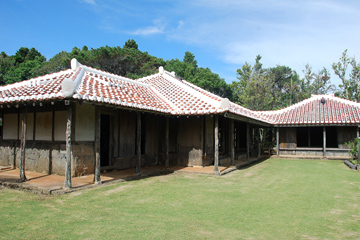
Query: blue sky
{"points": [[222, 34]]}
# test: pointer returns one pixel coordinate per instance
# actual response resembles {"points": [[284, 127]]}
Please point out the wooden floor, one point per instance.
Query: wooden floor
{"points": [[49, 184]]}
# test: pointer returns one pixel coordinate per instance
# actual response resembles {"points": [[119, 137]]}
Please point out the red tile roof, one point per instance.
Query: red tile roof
{"points": [[318, 110], [164, 92]]}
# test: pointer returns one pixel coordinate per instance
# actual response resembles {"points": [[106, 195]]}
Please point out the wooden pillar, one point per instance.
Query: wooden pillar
{"points": [[357, 135], [324, 142], [232, 142], [167, 143], [138, 144], [259, 142], [309, 137], [97, 178], [67, 183], [216, 147], [247, 141], [23, 146], [277, 142]]}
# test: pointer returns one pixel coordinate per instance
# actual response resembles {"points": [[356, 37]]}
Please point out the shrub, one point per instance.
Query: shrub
{"points": [[353, 149]]}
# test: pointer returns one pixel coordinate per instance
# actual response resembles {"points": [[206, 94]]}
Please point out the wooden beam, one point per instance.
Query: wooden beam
{"points": [[167, 143], [138, 144], [23, 146], [232, 142], [67, 183], [324, 142], [97, 179], [216, 147], [246, 119], [277, 142]]}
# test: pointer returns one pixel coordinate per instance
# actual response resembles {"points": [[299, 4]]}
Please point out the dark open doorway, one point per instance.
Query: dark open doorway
{"points": [[105, 140]]}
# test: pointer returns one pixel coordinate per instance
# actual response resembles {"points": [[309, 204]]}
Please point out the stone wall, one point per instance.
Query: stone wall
{"points": [[333, 152], [49, 157]]}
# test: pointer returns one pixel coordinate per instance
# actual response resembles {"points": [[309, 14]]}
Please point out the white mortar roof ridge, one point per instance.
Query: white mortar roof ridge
{"points": [[108, 75], [171, 104], [170, 77], [35, 81]]}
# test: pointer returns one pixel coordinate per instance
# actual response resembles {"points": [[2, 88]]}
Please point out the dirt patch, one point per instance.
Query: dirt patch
{"points": [[77, 193], [116, 190]]}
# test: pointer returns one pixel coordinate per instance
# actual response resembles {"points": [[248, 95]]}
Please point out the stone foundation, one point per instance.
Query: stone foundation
{"points": [[49, 157]]}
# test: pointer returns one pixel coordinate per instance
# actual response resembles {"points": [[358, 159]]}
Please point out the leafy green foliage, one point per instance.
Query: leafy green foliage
{"points": [[128, 61], [253, 90], [349, 88], [131, 44], [21, 66], [353, 148], [266, 89], [277, 87], [202, 77]]}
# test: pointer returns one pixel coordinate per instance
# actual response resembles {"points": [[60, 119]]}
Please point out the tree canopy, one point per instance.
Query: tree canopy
{"points": [[349, 87], [202, 77]]}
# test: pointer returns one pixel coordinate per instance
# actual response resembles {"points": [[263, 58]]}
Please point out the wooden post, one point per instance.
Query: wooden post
{"points": [[138, 144], [247, 142], [232, 142], [357, 135], [277, 142], [324, 142], [259, 142], [216, 147], [167, 143], [97, 178], [23, 146], [67, 183]]}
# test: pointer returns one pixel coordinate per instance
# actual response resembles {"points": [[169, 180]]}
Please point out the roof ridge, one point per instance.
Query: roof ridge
{"points": [[189, 89], [162, 97], [34, 81], [75, 64]]}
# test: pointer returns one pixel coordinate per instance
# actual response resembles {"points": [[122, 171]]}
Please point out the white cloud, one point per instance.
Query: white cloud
{"points": [[290, 33], [286, 32], [148, 31], [92, 2], [158, 28], [180, 24]]}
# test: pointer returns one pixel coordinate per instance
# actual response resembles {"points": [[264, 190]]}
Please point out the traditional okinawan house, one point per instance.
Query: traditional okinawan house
{"points": [[82, 120], [318, 126]]}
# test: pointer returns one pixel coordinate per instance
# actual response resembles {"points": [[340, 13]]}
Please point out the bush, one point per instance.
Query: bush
{"points": [[353, 149]]}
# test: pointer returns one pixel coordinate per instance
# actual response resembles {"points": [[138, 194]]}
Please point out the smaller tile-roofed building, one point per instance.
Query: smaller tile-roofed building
{"points": [[318, 126], [325, 109]]}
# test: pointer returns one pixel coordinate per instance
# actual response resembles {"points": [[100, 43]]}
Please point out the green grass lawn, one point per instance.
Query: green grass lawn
{"points": [[275, 199]]}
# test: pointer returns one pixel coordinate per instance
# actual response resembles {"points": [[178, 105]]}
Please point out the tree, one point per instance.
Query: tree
{"points": [[286, 86], [201, 77], [253, 90], [131, 44], [349, 88], [238, 87], [20, 66]]}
